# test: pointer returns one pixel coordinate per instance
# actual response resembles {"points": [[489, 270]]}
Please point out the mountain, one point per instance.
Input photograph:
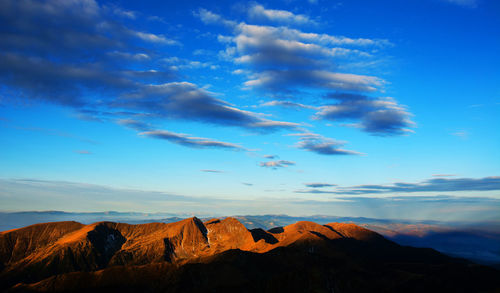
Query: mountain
{"points": [[222, 255], [475, 241]]}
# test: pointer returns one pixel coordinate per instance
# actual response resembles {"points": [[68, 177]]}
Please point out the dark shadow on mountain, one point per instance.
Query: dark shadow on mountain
{"points": [[480, 247], [276, 230], [338, 233], [259, 234]]}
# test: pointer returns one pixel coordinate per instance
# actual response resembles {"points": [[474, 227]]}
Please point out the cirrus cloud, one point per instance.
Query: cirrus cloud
{"points": [[277, 164]]}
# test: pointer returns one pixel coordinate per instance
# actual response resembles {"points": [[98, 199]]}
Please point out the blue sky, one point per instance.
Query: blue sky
{"points": [[349, 108]]}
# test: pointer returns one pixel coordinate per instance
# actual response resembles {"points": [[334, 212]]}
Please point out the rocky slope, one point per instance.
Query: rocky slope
{"points": [[223, 256]]}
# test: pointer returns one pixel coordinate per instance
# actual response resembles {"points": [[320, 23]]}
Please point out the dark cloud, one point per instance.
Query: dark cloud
{"points": [[184, 100], [277, 164], [319, 185], [430, 185], [286, 62], [189, 141], [37, 78], [67, 51], [83, 55], [281, 59], [379, 116]]}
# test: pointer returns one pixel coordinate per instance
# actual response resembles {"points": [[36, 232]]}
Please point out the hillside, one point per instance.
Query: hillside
{"points": [[223, 255]]}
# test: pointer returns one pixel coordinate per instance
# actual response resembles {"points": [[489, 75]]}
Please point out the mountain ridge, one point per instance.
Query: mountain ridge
{"points": [[56, 256]]}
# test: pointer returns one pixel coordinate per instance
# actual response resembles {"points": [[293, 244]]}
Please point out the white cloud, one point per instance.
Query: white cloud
{"points": [[153, 38], [316, 79], [125, 13], [208, 17], [258, 12]]}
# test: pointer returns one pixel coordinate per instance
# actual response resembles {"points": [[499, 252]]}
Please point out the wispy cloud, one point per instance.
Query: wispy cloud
{"points": [[184, 100], [209, 17], [429, 185], [153, 38], [271, 157], [319, 185], [464, 3], [189, 141], [59, 195], [211, 171], [277, 80], [463, 134], [321, 145], [125, 13], [83, 152], [47, 131], [277, 164], [134, 124], [287, 104], [258, 12]]}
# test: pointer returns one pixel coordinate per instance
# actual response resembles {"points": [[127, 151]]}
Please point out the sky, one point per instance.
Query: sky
{"points": [[386, 109]]}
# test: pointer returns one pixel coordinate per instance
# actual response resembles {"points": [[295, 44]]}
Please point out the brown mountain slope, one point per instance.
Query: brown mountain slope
{"points": [[222, 255]]}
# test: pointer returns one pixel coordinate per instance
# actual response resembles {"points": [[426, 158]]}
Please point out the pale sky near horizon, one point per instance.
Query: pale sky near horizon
{"points": [[385, 109]]}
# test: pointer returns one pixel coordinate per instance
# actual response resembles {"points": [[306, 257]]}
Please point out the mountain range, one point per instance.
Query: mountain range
{"points": [[475, 241], [222, 255]]}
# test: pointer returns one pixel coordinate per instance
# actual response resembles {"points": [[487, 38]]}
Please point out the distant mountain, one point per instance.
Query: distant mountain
{"points": [[12, 220], [222, 255]]}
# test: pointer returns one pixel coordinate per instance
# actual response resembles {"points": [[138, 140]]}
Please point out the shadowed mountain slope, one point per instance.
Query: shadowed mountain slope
{"points": [[222, 255]]}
